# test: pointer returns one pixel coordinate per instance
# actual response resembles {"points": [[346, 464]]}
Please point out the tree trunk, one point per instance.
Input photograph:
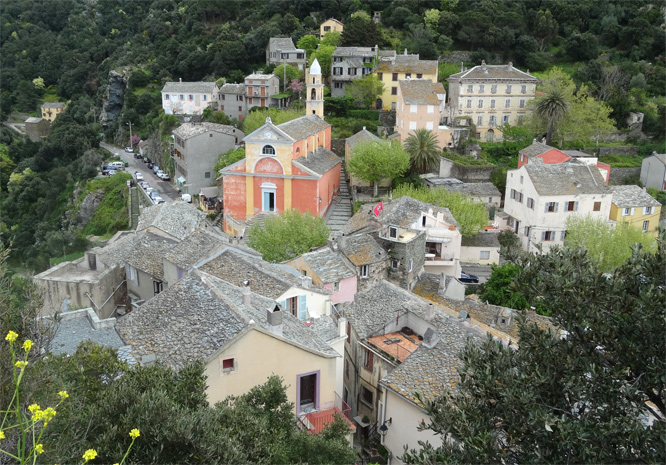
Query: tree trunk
{"points": [[549, 134], [375, 191]]}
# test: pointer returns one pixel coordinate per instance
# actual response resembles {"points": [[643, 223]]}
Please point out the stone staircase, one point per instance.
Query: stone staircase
{"points": [[341, 208]]}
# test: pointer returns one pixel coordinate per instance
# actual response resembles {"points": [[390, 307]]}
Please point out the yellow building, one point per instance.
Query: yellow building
{"points": [[392, 69], [52, 109], [330, 25], [633, 205]]}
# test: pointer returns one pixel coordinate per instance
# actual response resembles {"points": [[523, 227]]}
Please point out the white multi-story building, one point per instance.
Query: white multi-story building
{"points": [[540, 198], [189, 98], [491, 95]]}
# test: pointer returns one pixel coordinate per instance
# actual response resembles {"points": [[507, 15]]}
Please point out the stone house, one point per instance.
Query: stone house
{"points": [[420, 105], [368, 257], [392, 69], [539, 198], [357, 184], [197, 147], [50, 110], [37, 128], [330, 271], [243, 338], [492, 95], [260, 89], [550, 155], [350, 63], [189, 98], [282, 50], [653, 171], [330, 25], [232, 101], [484, 192], [633, 205]]}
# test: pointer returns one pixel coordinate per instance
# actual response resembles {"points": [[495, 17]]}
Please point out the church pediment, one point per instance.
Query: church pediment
{"points": [[268, 133]]}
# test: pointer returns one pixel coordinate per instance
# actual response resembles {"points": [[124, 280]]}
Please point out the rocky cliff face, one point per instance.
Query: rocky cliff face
{"points": [[87, 208], [115, 97]]}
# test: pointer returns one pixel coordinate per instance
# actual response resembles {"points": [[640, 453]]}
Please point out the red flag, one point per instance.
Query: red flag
{"points": [[378, 208]]}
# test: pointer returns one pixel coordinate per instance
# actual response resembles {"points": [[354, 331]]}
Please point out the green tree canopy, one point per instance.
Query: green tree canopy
{"points": [[573, 397], [324, 55], [288, 235], [292, 73], [332, 38], [308, 43], [365, 91], [424, 155], [255, 119], [470, 214], [373, 161], [229, 157], [609, 246]]}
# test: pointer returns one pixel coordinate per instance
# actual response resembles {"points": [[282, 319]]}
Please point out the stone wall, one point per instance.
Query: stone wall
{"points": [[450, 169], [387, 119], [456, 57], [338, 147], [617, 175], [631, 151], [404, 252]]}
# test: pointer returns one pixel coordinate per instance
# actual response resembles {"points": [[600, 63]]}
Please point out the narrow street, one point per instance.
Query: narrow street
{"points": [[165, 188]]}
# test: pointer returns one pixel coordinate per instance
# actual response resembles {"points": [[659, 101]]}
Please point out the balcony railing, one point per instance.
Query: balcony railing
{"points": [[315, 422]]}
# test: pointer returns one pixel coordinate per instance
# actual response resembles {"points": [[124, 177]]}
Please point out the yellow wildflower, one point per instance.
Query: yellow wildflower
{"points": [[27, 345], [49, 413], [89, 454], [2, 435], [63, 395], [33, 408], [134, 433], [21, 365], [11, 336], [39, 448]]}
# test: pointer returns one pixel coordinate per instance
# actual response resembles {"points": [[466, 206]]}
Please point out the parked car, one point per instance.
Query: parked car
{"points": [[138, 155], [106, 167], [146, 160], [117, 165], [468, 278], [149, 190], [156, 169], [109, 172], [163, 176], [186, 198], [138, 176], [129, 149], [158, 200], [153, 194], [144, 185]]}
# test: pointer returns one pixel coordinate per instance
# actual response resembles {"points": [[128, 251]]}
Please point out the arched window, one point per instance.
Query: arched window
{"points": [[268, 150], [313, 95], [298, 152]]}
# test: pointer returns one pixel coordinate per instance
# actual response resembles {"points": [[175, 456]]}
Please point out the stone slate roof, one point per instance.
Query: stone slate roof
{"points": [[178, 219], [147, 253], [320, 162], [632, 196], [362, 249], [439, 88], [363, 220], [428, 286], [576, 154], [260, 76], [574, 178], [328, 265], [233, 89], [483, 71], [235, 267], [474, 189], [354, 52], [418, 92], [484, 239], [194, 248], [53, 105], [361, 136], [280, 43], [34, 119], [536, 149], [199, 87], [71, 332], [199, 315], [405, 210], [408, 64], [188, 130], [304, 126]]}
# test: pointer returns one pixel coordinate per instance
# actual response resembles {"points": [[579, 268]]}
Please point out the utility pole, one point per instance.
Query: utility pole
{"points": [[131, 145]]}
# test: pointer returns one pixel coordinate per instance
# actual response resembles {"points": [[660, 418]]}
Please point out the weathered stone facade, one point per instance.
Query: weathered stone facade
{"points": [[617, 175], [450, 169], [401, 254]]}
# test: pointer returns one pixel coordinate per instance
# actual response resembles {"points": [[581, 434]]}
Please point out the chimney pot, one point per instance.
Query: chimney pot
{"points": [[342, 327], [274, 319], [247, 293], [180, 79]]}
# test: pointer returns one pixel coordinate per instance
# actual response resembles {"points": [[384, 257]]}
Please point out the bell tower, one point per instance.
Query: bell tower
{"points": [[314, 104]]}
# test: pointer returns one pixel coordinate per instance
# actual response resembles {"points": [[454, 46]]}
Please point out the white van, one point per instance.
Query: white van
{"points": [[117, 165]]}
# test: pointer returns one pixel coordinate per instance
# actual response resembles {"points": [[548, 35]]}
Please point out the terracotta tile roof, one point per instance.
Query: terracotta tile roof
{"points": [[395, 344], [199, 87], [304, 126], [418, 92], [320, 162], [632, 196], [362, 249]]}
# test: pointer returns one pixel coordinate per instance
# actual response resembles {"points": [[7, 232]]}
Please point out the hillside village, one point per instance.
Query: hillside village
{"points": [[370, 325]]}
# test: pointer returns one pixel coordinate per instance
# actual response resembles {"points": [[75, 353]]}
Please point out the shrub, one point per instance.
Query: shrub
{"points": [[372, 115]]}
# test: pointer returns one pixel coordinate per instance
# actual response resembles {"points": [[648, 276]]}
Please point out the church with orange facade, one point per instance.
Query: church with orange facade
{"points": [[286, 166]]}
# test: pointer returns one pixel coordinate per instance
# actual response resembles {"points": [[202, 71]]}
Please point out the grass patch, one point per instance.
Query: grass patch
{"points": [[465, 160], [67, 258], [620, 161], [357, 206], [111, 214]]}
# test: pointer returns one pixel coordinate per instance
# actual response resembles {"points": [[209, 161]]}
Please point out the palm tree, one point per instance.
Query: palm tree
{"points": [[552, 106], [421, 145]]}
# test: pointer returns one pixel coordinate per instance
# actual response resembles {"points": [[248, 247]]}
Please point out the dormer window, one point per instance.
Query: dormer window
{"points": [[268, 150]]}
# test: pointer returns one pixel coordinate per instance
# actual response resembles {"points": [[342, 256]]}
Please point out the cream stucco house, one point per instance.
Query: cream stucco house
{"points": [[189, 98], [330, 25], [421, 106], [540, 198]]}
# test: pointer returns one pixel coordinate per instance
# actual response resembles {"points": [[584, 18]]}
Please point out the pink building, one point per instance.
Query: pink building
{"points": [[420, 105]]}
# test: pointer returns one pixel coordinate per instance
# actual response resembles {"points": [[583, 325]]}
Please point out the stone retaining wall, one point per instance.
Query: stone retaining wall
{"points": [[601, 151], [338, 147], [450, 169], [617, 175]]}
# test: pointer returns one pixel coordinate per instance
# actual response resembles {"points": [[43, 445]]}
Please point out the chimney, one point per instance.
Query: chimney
{"points": [[430, 338], [180, 79], [442, 281], [430, 311], [342, 327], [405, 52], [274, 319], [509, 66], [247, 293], [305, 282], [462, 66]]}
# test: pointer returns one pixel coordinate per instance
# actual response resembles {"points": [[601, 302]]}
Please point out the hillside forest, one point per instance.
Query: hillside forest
{"points": [[70, 50]]}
